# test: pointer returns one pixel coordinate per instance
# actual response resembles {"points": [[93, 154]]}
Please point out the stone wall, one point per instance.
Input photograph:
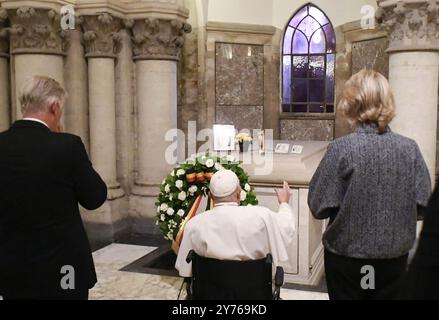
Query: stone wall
{"points": [[305, 130], [239, 90]]}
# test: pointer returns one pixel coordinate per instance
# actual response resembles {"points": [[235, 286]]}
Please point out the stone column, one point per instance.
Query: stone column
{"points": [[37, 46], [125, 110], [101, 43], [413, 28], [75, 74], [4, 73], [101, 40], [156, 45]]}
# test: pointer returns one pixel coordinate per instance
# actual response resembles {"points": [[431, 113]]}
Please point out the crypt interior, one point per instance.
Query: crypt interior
{"points": [[135, 69]]}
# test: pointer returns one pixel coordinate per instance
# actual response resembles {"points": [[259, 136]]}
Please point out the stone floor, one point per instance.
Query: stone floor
{"points": [[114, 284]]}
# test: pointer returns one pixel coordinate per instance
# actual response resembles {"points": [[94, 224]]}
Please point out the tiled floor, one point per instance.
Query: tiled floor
{"points": [[120, 285]]}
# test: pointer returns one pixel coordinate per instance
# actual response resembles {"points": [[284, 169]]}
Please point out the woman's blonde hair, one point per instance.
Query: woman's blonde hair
{"points": [[367, 97]]}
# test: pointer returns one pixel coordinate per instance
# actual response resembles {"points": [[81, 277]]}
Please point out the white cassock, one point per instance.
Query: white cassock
{"points": [[232, 232]]}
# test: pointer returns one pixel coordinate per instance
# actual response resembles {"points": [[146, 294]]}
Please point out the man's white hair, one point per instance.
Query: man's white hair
{"points": [[39, 93]]}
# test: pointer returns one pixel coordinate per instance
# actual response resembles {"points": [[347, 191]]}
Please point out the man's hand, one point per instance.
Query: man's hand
{"points": [[284, 195]]}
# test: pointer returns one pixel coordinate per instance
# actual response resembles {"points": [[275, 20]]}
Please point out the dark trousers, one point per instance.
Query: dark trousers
{"points": [[78, 294], [363, 279]]}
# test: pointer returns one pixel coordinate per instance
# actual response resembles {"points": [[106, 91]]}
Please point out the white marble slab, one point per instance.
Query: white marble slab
{"points": [[117, 253], [287, 294]]}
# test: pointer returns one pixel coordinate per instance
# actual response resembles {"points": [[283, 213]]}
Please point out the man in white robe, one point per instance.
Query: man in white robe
{"points": [[238, 233]]}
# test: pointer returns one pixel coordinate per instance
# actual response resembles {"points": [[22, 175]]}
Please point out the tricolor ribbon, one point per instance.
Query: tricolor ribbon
{"points": [[192, 212]]}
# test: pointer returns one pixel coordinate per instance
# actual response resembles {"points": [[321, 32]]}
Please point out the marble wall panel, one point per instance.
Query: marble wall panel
{"points": [[371, 54], [304, 130], [242, 117], [239, 74]]}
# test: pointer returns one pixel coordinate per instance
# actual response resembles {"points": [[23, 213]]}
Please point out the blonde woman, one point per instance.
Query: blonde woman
{"points": [[370, 185]]}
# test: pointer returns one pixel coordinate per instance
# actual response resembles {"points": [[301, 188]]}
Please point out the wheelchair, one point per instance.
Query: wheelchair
{"points": [[214, 279]]}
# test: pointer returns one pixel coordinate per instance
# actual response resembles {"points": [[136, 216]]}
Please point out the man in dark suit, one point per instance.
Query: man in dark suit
{"points": [[422, 279], [44, 174]]}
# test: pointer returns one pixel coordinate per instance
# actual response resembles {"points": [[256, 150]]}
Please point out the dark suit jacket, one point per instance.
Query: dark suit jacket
{"points": [[422, 279], [43, 177]]}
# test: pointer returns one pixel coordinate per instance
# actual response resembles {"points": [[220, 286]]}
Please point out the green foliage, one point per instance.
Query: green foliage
{"points": [[177, 193]]}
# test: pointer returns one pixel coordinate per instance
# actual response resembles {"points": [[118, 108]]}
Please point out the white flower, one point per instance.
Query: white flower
{"points": [[180, 212], [164, 207], [172, 173], [182, 196], [230, 158], [170, 212], [158, 209], [164, 181], [179, 184], [167, 188], [171, 197], [210, 163], [162, 217], [156, 223], [180, 172], [203, 158], [218, 166], [247, 187], [193, 189], [243, 195]]}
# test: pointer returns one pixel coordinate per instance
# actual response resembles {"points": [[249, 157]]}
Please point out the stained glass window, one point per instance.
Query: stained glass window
{"points": [[308, 63]]}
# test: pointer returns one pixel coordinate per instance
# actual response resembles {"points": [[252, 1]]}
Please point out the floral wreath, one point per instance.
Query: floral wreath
{"points": [[182, 190]]}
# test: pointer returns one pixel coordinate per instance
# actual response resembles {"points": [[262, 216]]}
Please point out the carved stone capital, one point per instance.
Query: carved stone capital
{"points": [[4, 35], [101, 35], [412, 25], [36, 31], [157, 39]]}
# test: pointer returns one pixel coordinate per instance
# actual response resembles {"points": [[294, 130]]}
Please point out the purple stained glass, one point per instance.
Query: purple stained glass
{"points": [[287, 79], [300, 108], [317, 108], [316, 66], [286, 108], [330, 79], [318, 42], [309, 63], [300, 43], [300, 66], [329, 108], [308, 26], [302, 13], [318, 15], [330, 38], [287, 40], [317, 90], [300, 90]]}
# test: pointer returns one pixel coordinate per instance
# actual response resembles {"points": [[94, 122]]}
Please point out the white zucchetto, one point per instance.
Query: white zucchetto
{"points": [[224, 183]]}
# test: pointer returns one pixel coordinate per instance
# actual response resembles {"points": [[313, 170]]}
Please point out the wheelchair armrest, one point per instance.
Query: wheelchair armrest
{"points": [[190, 256], [278, 283], [269, 259], [279, 277]]}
